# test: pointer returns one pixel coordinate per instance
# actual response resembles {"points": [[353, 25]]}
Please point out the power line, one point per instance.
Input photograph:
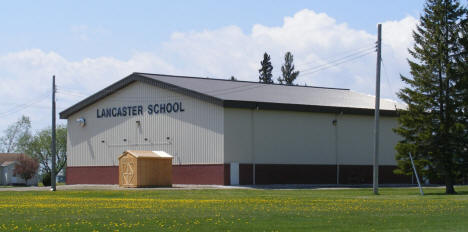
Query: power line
{"points": [[349, 52], [230, 90], [349, 56], [387, 78], [22, 106], [310, 72], [340, 59]]}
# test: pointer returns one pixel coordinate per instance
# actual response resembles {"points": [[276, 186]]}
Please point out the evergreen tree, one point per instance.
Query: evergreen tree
{"points": [[289, 75], [265, 71], [434, 127], [462, 88]]}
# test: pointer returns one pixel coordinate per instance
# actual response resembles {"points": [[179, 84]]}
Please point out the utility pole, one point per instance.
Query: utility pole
{"points": [[52, 174], [377, 108]]}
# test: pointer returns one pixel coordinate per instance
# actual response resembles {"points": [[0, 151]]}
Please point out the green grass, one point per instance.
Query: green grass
{"points": [[396, 209]]}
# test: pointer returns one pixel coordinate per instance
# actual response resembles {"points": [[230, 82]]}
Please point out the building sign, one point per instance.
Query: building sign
{"points": [[124, 111]]}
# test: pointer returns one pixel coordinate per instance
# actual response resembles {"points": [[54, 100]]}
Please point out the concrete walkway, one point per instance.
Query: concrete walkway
{"points": [[192, 187], [115, 187]]}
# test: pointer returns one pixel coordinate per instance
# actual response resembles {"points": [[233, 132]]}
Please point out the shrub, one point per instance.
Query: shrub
{"points": [[46, 179], [26, 167]]}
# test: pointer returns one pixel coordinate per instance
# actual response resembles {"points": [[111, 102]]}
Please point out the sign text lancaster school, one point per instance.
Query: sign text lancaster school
{"points": [[135, 110]]}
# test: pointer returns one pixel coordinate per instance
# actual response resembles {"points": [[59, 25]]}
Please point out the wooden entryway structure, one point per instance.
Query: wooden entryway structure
{"points": [[145, 169]]}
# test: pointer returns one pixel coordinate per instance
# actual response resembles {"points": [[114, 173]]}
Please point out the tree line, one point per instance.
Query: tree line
{"points": [[287, 69], [288, 74], [36, 148]]}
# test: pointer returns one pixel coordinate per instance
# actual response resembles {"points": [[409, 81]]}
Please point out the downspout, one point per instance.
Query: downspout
{"points": [[253, 143]]}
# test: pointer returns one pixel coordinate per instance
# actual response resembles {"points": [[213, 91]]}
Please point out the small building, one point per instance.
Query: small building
{"points": [[8, 162], [232, 132], [145, 169]]}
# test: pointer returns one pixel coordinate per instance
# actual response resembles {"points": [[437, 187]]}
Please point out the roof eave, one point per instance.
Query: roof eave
{"points": [[305, 108], [128, 80]]}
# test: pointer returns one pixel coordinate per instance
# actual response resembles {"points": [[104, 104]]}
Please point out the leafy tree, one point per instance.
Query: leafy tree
{"points": [[16, 136], [289, 75], [26, 167], [265, 71], [40, 148], [434, 127]]}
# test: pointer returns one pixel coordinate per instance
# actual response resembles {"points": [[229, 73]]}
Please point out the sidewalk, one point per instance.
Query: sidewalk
{"points": [[192, 187]]}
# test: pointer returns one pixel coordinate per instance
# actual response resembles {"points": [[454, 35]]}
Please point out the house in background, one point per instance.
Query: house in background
{"points": [[8, 162]]}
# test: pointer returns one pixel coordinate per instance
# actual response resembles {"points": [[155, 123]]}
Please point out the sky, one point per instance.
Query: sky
{"points": [[89, 45]]}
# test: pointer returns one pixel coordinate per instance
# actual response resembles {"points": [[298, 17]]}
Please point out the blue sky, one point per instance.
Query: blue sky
{"points": [[118, 28], [91, 44]]}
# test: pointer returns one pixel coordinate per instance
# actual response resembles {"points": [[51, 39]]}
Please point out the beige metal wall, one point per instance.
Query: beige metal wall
{"points": [[282, 137], [194, 136]]}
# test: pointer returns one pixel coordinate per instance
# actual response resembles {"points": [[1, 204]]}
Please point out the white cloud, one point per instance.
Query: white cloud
{"points": [[313, 38], [26, 78]]}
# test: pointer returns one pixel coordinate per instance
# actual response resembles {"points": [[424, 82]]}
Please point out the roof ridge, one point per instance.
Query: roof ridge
{"points": [[227, 80]]}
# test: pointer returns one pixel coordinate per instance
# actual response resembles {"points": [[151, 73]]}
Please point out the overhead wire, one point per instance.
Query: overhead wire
{"points": [[23, 106], [349, 52], [335, 64], [234, 89], [338, 60], [387, 78], [348, 57]]}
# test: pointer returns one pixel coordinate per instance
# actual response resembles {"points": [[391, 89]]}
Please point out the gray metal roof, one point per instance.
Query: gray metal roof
{"points": [[244, 94]]}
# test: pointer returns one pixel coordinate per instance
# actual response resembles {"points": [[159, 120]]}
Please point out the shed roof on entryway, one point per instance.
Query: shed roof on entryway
{"points": [[147, 154]]}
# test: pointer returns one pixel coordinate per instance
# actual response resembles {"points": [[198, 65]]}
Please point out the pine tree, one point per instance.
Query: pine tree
{"points": [[434, 126], [289, 75], [462, 61], [265, 71]]}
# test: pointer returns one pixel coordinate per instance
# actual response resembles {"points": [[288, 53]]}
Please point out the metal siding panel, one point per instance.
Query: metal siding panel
{"points": [[356, 140], [305, 138], [196, 136], [237, 135], [293, 137]]}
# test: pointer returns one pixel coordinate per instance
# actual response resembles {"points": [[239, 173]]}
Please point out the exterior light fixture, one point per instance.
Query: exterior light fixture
{"points": [[81, 121]]}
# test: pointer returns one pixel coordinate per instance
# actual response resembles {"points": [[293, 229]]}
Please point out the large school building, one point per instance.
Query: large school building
{"points": [[231, 132]]}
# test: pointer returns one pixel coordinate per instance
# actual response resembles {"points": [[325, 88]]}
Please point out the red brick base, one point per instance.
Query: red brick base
{"points": [[92, 175], [219, 174], [199, 174], [181, 174]]}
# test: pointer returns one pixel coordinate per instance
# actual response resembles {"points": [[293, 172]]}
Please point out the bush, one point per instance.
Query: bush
{"points": [[26, 167], [46, 179]]}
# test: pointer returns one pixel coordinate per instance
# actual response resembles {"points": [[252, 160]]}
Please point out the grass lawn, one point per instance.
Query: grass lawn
{"points": [[396, 209]]}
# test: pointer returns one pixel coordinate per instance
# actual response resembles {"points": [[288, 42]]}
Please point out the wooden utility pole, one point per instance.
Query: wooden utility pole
{"points": [[53, 148], [377, 108]]}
